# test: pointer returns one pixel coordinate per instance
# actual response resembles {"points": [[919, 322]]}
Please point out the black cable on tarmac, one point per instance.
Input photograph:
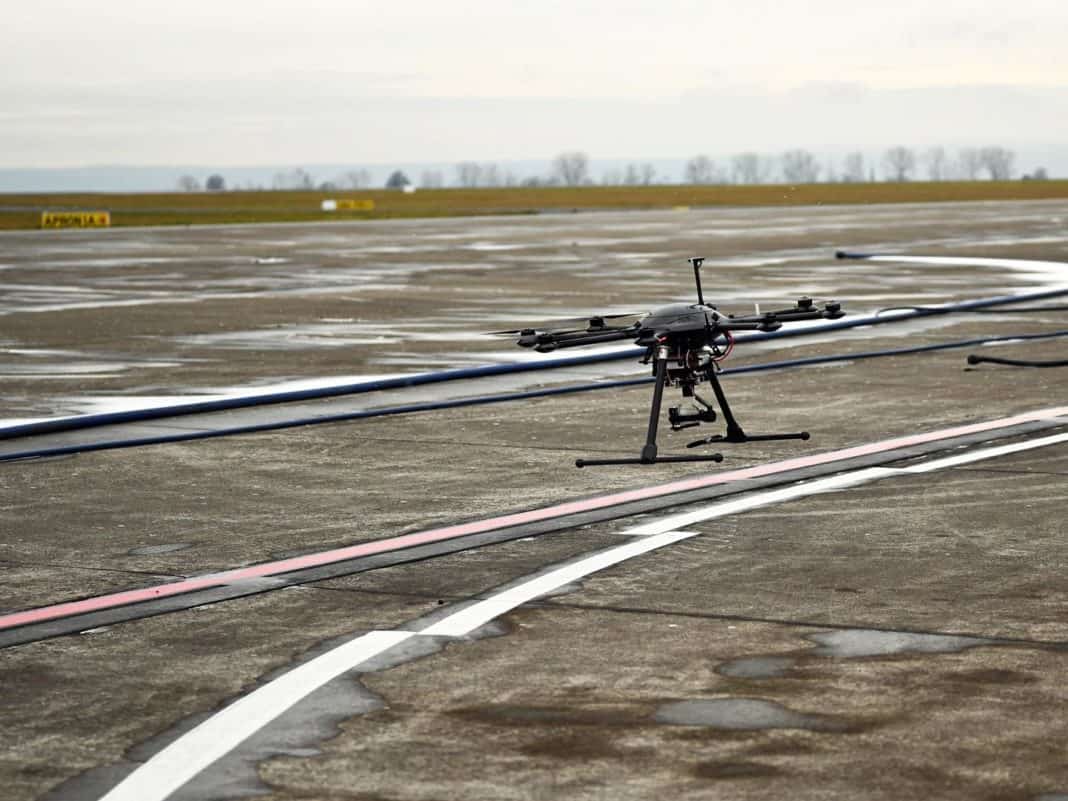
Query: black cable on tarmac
{"points": [[81, 422], [42, 452], [974, 359]]}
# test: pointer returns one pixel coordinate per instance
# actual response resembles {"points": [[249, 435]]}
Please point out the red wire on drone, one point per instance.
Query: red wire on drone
{"points": [[730, 347]]}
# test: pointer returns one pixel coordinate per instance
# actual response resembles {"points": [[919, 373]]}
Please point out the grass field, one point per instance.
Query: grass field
{"points": [[23, 211]]}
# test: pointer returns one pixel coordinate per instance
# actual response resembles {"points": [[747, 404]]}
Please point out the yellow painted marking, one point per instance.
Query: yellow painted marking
{"points": [[356, 205], [75, 219]]}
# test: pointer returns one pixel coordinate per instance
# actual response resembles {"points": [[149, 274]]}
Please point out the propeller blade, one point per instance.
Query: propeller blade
{"points": [[567, 325], [805, 309]]}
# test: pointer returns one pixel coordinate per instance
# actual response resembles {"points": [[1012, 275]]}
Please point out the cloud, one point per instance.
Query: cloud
{"points": [[250, 122]]}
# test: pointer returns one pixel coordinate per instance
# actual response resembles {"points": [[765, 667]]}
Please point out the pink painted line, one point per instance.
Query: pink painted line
{"points": [[267, 569]]}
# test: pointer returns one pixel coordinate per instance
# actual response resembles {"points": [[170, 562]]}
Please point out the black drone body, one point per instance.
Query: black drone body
{"points": [[685, 344]]}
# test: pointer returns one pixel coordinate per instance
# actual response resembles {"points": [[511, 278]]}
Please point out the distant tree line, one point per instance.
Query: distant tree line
{"points": [[897, 164], [572, 168]]}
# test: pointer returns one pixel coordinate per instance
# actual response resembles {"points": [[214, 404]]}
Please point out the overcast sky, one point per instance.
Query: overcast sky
{"points": [[269, 82]]}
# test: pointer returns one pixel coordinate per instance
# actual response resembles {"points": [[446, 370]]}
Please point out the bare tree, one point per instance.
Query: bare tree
{"points": [[700, 170], [750, 168], [1040, 174], [187, 183], [572, 168], [937, 163], [356, 179], [468, 174], [898, 164], [970, 162], [431, 179], [294, 179], [799, 167], [853, 168], [215, 183], [997, 161], [634, 175], [491, 175]]}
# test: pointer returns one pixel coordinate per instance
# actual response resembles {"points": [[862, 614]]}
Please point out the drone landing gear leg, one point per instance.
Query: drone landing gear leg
{"points": [[649, 454], [735, 433]]}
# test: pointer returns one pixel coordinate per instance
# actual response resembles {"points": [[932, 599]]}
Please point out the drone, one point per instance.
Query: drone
{"points": [[685, 344]]}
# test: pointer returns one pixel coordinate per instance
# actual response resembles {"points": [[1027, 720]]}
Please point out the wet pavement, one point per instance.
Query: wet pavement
{"points": [[93, 320], [904, 639]]}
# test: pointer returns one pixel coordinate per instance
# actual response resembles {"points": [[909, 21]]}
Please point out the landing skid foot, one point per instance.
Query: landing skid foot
{"points": [[712, 457]]}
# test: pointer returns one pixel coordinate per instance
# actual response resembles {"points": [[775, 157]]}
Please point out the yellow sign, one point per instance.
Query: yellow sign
{"points": [[356, 205], [75, 219]]}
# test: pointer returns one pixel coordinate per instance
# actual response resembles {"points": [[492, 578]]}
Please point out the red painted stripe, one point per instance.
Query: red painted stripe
{"points": [[110, 601]]}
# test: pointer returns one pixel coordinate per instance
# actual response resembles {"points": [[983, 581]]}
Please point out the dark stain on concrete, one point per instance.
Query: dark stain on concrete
{"points": [[582, 745], [554, 716], [716, 769], [994, 676]]}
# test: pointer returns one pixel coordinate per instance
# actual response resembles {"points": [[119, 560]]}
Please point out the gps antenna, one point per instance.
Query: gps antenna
{"points": [[697, 261]]}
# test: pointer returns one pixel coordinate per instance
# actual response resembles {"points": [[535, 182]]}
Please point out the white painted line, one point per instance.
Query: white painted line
{"points": [[986, 453], [755, 501], [191, 753], [1051, 273], [832, 484], [169, 769], [467, 620], [172, 767]]}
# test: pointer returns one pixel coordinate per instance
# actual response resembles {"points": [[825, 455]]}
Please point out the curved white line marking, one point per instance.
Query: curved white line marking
{"points": [[1053, 274], [187, 756], [467, 620], [172, 767], [222, 732]]}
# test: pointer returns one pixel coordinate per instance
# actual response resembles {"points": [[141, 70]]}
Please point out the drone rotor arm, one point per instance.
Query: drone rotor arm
{"points": [[579, 340], [773, 320], [545, 342], [806, 309], [595, 323], [763, 322]]}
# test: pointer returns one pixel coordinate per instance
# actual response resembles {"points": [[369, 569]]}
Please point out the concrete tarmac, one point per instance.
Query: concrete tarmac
{"points": [[903, 639]]}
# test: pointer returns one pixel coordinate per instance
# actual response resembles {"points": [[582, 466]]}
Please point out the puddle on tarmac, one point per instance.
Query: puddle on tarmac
{"points": [[64, 370], [135, 268], [334, 334], [298, 732], [742, 714], [756, 667], [851, 643]]}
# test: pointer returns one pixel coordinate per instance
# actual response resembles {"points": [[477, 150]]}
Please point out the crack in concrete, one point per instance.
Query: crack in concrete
{"points": [[93, 569], [995, 639], [495, 445], [1009, 471]]}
